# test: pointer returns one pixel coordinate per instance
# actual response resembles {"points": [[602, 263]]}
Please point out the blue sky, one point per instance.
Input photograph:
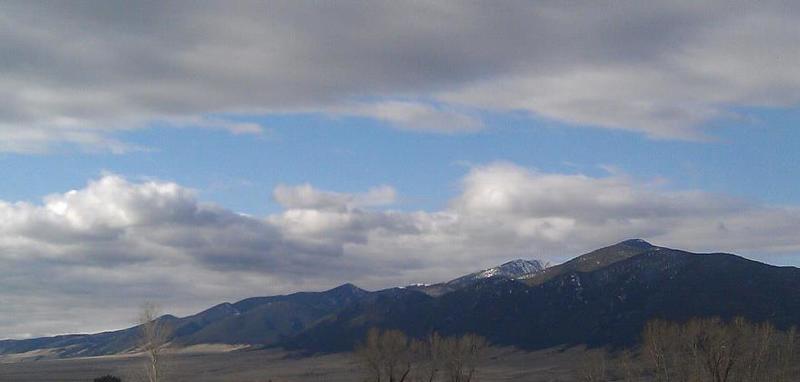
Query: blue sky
{"points": [[188, 153], [753, 157]]}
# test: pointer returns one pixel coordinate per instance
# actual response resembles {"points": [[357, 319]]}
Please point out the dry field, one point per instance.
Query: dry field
{"points": [[243, 365]]}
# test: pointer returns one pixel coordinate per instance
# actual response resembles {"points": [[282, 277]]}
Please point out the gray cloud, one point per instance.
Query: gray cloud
{"points": [[83, 260], [79, 72]]}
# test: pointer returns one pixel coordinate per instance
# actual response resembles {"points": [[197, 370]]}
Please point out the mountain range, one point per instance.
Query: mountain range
{"points": [[601, 298]]}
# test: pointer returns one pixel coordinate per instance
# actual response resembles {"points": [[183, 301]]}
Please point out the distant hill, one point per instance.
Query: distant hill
{"points": [[602, 297], [259, 320]]}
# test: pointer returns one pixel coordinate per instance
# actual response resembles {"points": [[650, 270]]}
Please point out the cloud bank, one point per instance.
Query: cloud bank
{"points": [[85, 259], [80, 72]]}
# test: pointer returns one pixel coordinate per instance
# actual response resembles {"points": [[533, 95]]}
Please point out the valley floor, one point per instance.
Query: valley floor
{"points": [[502, 364]]}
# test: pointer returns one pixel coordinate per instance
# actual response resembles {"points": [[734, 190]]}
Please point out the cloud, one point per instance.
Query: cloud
{"points": [[83, 260], [416, 116], [78, 74], [307, 197]]}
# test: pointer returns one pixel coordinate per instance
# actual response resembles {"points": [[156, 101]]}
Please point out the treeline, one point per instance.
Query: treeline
{"points": [[702, 350], [713, 350], [391, 356]]}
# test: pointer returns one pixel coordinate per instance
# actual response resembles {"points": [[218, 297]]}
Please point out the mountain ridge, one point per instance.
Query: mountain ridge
{"points": [[602, 297]]}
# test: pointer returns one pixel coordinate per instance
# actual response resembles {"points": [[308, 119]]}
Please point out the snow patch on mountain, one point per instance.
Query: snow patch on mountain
{"points": [[515, 269]]}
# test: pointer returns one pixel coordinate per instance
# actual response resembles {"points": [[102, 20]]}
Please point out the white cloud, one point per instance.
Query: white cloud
{"points": [[84, 259], [78, 74], [416, 116]]}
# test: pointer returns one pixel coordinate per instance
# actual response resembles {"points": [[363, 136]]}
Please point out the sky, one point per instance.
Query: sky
{"points": [[190, 153]]}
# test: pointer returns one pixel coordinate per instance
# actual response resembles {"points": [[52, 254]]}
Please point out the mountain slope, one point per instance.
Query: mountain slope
{"points": [[268, 319], [604, 297]]}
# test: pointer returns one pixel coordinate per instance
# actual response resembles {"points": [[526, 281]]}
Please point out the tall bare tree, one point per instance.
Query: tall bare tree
{"points": [[462, 356], [155, 333], [370, 355], [387, 355], [716, 346], [428, 355], [657, 347]]}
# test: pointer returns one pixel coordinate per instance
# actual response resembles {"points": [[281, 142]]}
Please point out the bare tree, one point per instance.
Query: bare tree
{"points": [[370, 355], [390, 356], [594, 367], [629, 368], [397, 361], [428, 355], [715, 346], [709, 349], [657, 346], [386, 355], [759, 341], [785, 357], [155, 334], [462, 355]]}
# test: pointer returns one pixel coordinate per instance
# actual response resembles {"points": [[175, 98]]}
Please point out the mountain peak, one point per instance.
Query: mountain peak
{"points": [[636, 243], [517, 262], [517, 268], [596, 259], [513, 269], [347, 288]]}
